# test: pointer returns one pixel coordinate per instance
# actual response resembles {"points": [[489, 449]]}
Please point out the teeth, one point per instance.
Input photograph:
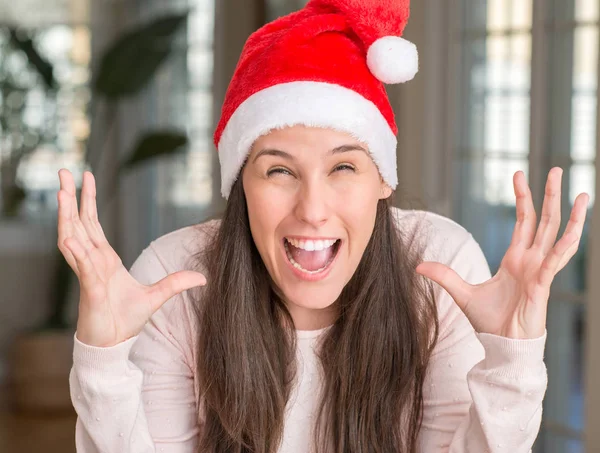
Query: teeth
{"points": [[310, 245], [296, 265]]}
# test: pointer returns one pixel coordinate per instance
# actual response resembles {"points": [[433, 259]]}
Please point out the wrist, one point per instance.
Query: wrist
{"points": [[86, 337], [107, 361], [518, 332]]}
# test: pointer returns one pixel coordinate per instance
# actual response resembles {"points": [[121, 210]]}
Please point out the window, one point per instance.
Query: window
{"points": [[494, 128], [55, 122], [193, 184], [180, 97], [508, 53]]}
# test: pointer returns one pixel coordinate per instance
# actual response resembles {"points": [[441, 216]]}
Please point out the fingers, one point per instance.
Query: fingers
{"points": [[550, 265], [575, 225], [67, 183], [87, 271], [89, 211], [172, 285], [550, 218], [567, 246], [449, 280], [65, 228], [526, 218], [74, 227]]}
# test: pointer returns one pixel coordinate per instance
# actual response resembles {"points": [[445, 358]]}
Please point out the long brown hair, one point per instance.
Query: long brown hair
{"points": [[373, 359]]}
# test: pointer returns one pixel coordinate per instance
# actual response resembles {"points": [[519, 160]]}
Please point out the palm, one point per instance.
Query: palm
{"points": [[513, 303], [113, 306], [116, 301], [509, 295]]}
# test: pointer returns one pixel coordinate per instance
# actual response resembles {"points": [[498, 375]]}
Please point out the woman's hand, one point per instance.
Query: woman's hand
{"points": [[514, 302], [113, 306]]}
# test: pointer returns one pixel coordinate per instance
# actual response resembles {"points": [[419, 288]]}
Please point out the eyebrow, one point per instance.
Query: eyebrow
{"points": [[283, 154]]}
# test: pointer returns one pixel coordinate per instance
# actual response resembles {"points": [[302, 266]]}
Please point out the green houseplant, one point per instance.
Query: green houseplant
{"points": [[19, 138], [128, 65]]}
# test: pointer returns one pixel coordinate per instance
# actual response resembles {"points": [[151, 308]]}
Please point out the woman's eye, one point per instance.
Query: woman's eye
{"points": [[279, 170], [344, 167]]}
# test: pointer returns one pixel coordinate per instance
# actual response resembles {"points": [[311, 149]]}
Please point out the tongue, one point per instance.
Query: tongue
{"points": [[311, 261]]}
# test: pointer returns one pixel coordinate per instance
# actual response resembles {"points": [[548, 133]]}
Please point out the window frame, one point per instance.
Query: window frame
{"points": [[439, 155]]}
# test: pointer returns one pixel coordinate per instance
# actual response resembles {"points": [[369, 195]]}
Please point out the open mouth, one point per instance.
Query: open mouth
{"points": [[311, 256]]}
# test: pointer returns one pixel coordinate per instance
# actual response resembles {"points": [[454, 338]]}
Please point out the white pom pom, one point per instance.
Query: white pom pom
{"points": [[393, 59]]}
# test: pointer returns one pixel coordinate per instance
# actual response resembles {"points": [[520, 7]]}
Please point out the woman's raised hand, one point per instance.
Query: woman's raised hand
{"points": [[514, 302], [113, 306]]}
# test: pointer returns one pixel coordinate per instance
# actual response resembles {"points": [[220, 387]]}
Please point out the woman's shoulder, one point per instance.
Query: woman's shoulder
{"points": [[445, 241], [439, 237], [439, 222], [172, 252], [178, 249]]}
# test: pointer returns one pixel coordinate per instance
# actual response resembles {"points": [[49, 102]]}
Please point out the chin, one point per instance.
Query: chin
{"points": [[314, 299], [302, 299]]}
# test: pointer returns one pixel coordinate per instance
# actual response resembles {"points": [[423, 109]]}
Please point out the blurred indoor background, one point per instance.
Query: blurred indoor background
{"points": [[504, 85]]}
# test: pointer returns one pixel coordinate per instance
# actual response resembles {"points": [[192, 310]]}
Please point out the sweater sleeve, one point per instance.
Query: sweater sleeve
{"points": [[137, 396], [483, 393]]}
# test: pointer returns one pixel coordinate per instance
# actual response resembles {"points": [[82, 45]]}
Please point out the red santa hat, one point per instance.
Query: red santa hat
{"points": [[322, 66]]}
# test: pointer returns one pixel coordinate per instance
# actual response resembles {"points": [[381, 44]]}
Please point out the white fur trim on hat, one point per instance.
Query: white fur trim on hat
{"points": [[393, 59], [313, 104]]}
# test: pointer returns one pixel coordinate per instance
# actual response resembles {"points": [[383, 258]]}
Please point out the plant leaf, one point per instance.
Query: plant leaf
{"points": [[131, 62], [154, 144], [39, 63]]}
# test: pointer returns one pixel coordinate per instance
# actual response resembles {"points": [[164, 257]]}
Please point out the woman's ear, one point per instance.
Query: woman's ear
{"points": [[386, 190]]}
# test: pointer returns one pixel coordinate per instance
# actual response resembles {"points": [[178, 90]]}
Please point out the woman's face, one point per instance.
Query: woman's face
{"points": [[312, 197]]}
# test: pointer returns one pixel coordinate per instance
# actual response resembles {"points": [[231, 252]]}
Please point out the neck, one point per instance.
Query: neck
{"points": [[310, 318]]}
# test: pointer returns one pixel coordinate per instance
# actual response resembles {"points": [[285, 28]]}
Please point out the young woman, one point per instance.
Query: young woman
{"points": [[314, 329]]}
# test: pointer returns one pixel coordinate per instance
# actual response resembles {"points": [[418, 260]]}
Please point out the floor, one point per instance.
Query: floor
{"points": [[34, 434]]}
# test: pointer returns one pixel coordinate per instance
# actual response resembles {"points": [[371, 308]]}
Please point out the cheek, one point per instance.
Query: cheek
{"points": [[266, 210], [357, 200], [266, 205], [357, 208]]}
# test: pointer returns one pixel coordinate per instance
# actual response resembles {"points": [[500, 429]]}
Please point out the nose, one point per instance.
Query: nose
{"points": [[312, 206]]}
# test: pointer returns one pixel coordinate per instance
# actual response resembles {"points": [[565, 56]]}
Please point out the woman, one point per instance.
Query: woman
{"points": [[316, 330]]}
